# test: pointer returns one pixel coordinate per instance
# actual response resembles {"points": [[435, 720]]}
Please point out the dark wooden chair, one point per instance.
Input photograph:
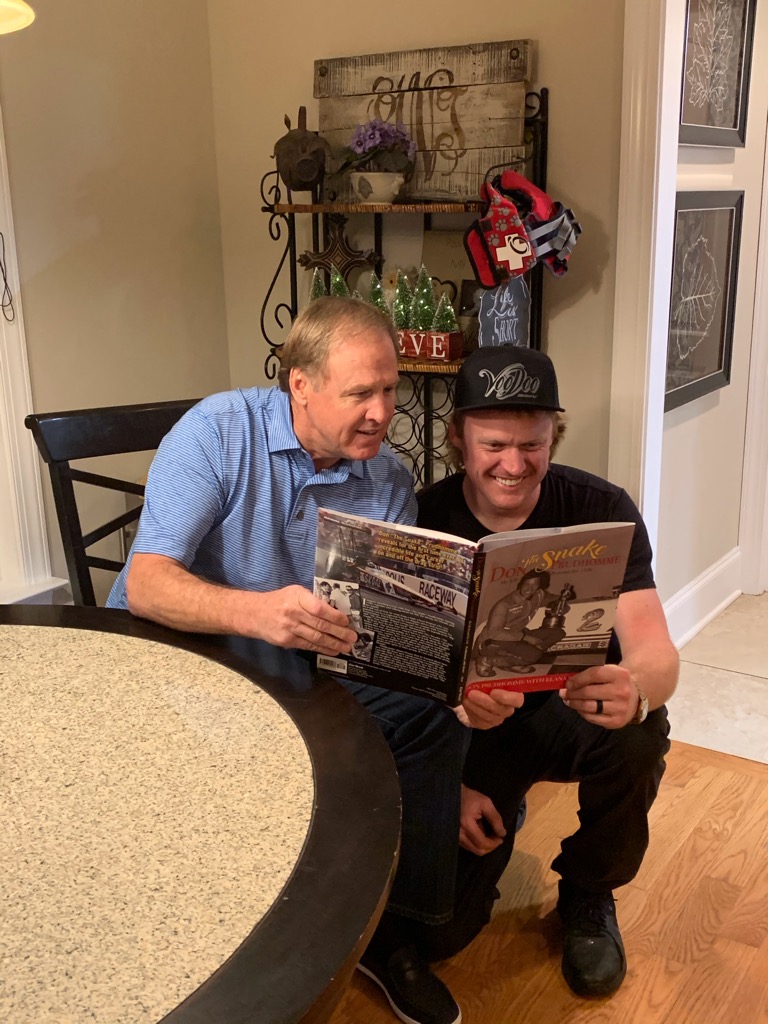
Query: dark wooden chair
{"points": [[63, 437]]}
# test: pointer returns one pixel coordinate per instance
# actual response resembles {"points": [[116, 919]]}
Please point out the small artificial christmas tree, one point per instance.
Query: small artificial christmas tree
{"points": [[338, 284], [445, 317], [401, 305], [376, 294], [423, 304], [318, 288]]}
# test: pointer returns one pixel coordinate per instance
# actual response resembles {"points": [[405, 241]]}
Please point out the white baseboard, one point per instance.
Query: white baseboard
{"points": [[691, 608]]}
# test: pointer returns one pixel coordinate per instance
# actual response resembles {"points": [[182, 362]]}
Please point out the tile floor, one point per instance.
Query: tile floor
{"points": [[721, 701]]}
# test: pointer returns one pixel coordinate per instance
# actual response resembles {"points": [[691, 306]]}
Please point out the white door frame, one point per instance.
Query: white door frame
{"points": [[654, 39], [753, 526], [653, 46]]}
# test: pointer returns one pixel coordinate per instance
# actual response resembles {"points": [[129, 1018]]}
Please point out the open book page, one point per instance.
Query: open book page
{"points": [[547, 605], [405, 591]]}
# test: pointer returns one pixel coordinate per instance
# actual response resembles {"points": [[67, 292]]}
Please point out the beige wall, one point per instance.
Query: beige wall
{"points": [[109, 133], [703, 449], [137, 135], [262, 70]]}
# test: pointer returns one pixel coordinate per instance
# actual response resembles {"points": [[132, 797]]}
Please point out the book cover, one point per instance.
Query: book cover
{"points": [[437, 615], [407, 591], [546, 605]]}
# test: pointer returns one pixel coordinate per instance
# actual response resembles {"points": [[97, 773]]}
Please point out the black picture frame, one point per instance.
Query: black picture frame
{"points": [[716, 70], [705, 268]]}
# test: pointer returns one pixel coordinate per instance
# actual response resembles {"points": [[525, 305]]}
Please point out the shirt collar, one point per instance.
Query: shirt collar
{"points": [[281, 436]]}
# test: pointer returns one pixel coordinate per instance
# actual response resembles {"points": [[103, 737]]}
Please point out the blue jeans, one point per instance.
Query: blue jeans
{"points": [[428, 744]]}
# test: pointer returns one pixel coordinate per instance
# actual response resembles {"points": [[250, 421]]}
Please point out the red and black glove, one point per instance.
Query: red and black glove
{"points": [[552, 229], [498, 245]]}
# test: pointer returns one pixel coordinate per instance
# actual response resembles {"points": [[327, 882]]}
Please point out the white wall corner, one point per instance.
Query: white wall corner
{"points": [[699, 602], [24, 562], [653, 49]]}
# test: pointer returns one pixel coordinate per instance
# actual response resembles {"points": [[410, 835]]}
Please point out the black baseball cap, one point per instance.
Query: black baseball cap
{"points": [[507, 377]]}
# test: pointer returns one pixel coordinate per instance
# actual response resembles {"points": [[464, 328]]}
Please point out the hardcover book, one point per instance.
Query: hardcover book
{"points": [[437, 615]]}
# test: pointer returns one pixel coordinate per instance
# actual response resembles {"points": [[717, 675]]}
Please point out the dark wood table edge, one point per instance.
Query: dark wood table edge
{"points": [[334, 897]]}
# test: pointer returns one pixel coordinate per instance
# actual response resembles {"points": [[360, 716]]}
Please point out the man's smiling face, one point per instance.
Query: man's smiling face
{"points": [[506, 456]]}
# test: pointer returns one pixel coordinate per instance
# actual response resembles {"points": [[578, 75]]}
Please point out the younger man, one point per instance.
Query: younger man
{"points": [[608, 728]]}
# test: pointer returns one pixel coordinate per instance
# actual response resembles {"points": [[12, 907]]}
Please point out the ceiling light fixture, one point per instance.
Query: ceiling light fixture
{"points": [[15, 14]]}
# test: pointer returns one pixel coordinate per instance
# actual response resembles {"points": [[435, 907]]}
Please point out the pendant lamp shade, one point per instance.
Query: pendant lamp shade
{"points": [[15, 14]]}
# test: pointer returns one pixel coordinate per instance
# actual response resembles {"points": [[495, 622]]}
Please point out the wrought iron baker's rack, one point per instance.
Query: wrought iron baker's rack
{"points": [[426, 393]]}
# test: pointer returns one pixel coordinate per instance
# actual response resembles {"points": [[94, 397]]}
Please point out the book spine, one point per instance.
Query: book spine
{"points": [[478, 565]]}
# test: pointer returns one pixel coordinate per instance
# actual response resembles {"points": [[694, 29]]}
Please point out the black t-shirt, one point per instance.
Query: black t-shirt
{"points": [[568, 497]]}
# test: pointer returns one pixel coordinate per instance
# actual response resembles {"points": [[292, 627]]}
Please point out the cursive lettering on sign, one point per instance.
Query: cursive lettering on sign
{"points": [[427, 106]]}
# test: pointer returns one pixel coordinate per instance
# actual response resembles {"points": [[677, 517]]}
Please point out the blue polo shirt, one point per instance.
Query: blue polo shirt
{"points": [[233, 496]]}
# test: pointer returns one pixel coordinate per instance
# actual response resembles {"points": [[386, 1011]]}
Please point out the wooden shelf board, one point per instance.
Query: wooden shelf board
{"points": [[472, 206], [429, 366]]}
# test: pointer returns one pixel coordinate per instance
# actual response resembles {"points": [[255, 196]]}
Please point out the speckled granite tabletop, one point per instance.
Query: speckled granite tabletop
{"points": [[153, 805]]}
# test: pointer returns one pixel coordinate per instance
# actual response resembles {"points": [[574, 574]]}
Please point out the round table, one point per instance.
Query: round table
{"points": [[196, 829]]}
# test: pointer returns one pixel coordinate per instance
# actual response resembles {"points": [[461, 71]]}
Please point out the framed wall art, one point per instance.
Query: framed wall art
{"points": [[718, 57], [705, 270]]}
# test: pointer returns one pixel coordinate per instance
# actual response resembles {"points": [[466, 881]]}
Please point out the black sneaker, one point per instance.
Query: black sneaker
{"points": [[594, 962], [522, 813], [415, 994]]}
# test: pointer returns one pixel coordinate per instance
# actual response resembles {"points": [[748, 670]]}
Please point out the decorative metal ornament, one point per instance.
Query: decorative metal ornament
{"points": [[301, 155], [338, 252]]}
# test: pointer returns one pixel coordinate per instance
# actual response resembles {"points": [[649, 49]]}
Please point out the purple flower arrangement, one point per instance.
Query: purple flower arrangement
{"points": [[380, 146]]}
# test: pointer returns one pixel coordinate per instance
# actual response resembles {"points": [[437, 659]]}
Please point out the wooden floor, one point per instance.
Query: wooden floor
{"points": [[694, 921]]}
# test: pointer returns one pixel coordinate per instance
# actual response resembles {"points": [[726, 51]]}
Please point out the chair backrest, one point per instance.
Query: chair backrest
{"points": [[63, 437]]}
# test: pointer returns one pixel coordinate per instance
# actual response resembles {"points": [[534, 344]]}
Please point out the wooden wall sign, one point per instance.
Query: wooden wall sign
{"points": [[464, 106]]}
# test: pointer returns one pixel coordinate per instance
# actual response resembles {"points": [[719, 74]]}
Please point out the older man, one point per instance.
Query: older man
{"points": [[608, 728], [226, 544]]}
